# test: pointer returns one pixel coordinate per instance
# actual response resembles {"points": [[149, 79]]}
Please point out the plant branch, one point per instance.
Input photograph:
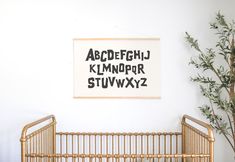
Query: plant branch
{"points": [[230, 124], [216, 73], [217, 123]]}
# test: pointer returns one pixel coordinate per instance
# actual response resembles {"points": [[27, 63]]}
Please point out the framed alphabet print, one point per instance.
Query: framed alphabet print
{"points": [[117, 68]]}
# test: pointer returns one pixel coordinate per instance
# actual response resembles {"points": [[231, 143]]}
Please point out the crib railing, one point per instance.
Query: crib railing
{"points": [[38, 138], [41, 143], [121, 146], [196, 141]]}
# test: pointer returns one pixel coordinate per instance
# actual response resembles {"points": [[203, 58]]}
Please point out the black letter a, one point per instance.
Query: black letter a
{"points": [[90, 55]]}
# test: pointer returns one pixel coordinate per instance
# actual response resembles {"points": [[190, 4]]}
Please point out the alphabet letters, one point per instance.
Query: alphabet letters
{"points": [[107, 73]]}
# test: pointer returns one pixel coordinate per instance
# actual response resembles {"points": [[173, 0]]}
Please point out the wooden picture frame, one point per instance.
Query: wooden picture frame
{"points": [[117, 68]]}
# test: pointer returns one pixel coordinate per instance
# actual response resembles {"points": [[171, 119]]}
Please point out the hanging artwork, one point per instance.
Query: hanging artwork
{"points": [[117, 68]]}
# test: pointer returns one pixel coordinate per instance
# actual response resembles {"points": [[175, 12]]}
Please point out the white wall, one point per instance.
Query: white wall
{"points": [[36, 64]]}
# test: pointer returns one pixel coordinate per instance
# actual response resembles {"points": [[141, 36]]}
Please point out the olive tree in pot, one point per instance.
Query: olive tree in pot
{"points": [[216, 78]]}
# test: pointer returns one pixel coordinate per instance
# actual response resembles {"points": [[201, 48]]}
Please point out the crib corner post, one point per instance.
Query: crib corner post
{"points": [[54, 139], [211, 141], [211, 145], [183, 135], [211, 151], [22, 140], [23, 143]]}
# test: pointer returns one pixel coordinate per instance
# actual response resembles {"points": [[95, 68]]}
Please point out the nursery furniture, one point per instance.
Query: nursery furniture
{"points": [[40, 142]]}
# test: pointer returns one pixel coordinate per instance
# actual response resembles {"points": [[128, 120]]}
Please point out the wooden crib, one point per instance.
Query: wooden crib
{"points": [[41, 143]]}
